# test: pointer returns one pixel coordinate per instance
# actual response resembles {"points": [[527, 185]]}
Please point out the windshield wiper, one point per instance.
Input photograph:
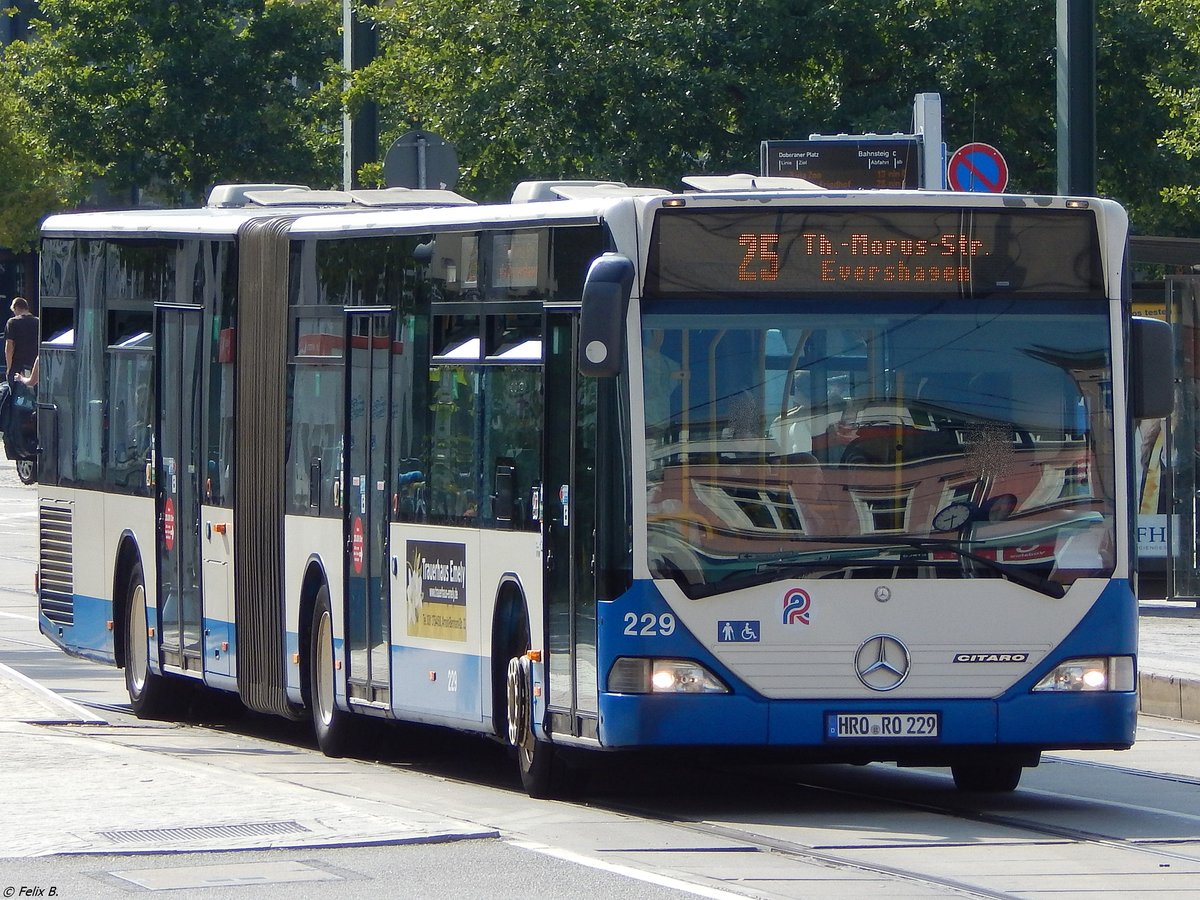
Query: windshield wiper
{"points": [[1015, 574]]}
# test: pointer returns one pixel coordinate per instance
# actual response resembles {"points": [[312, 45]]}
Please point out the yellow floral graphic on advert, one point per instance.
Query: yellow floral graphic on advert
{"points": [[436, 592]]}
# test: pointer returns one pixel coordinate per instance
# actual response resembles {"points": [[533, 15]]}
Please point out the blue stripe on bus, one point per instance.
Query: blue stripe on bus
{"points": [[1042, 720], [1075, 719], [220, 648], [453, 692], [90, 636], [745, 718], [414, 695]]}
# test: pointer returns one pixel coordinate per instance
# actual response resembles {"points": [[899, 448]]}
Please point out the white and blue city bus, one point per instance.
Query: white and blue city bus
{"points": [[755, 466]]}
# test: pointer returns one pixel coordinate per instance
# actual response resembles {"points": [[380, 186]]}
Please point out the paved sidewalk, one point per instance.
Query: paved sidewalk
{"points": [[1169, 659], [133, 801]]}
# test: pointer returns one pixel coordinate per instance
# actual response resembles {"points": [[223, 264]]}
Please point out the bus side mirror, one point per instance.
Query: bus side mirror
{"points": [[602, 322], [1151, 369]]}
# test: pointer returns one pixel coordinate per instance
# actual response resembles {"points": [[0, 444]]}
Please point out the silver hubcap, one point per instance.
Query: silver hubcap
{"points": [[518, 702], [324, 669], [138, 662]]}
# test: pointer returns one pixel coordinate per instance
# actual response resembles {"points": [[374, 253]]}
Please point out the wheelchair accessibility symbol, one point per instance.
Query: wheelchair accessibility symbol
{"points": [[738, 631]]}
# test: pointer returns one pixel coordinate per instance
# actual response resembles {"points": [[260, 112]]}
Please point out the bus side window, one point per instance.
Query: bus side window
{"points": [[512, 415], [411, 502], [453, 477]]}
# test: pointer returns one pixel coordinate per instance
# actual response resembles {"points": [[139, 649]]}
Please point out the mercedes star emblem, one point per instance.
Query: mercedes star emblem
{"points": [[882, 662]]}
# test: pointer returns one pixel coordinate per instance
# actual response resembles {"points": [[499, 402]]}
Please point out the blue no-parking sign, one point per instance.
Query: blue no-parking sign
{"points": [[978, 168]]}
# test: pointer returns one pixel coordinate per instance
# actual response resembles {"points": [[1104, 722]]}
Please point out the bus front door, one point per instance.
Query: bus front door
{"points": [[177, 480], [368, 640], [569, 542]]}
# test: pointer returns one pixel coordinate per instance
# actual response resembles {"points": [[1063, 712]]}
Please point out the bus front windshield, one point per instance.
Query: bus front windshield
{"points": [[879, 439]]}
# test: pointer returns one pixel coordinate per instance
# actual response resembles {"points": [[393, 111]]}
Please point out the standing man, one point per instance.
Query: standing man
{"points": [[20, 341]]}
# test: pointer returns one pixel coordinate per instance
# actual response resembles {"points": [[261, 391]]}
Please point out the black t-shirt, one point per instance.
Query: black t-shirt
{"points": [[23, 332]]}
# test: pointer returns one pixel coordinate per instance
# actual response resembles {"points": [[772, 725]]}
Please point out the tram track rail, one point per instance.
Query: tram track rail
{"points": [[1166, 851]]}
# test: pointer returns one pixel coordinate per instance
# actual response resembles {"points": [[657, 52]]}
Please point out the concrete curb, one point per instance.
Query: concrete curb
{"points": [[1169, 695]]}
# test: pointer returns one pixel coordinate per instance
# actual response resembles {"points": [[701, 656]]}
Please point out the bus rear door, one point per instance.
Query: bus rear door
{"points": [[177, 485], [368, 639]]}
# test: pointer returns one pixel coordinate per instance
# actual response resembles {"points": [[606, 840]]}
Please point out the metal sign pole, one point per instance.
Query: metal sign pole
{"points": [[927, 123], [1077, 97], [360, 133]]}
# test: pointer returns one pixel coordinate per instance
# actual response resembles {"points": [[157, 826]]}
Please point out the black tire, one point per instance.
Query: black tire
{"points": [[987, 778], [535, 757], [27, 470], [333, 726], [151, 696]]}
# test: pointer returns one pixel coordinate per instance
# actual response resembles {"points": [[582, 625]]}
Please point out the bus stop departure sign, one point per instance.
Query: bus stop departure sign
{"points": [[978, 168], [846, 162]]}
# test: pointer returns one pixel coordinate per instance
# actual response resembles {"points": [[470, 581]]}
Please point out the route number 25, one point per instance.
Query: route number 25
{"points": [[760, 262], [649, 625]]}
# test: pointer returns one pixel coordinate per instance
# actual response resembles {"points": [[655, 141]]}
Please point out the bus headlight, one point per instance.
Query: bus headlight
{"points": [[640, 675], [1096, 673]]}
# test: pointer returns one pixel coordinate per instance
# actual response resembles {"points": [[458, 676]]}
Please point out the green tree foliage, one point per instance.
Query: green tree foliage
{"points": [[179, 95], [597, 88], [649, 90], [32, 183], [1173, 79]]}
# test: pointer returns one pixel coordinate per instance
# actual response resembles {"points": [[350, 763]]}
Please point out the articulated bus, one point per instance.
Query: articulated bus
{"points": [[751, 468]]}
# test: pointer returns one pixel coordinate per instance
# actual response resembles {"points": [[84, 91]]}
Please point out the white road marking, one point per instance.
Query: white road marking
{"points": [[628, 871]]}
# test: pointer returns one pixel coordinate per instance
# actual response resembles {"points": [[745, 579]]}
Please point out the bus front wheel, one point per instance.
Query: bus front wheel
{"points": [[535, 757], [332, 725]]}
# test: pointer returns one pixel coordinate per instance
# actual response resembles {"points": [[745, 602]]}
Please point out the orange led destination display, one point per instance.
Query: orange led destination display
{"points": [[717, 252]]}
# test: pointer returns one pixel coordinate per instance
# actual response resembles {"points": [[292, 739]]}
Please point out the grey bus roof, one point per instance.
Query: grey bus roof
{"points": [[744, 182], [232, 196], [401, 220], [298, 197], [399, 196], [235, 206], [386, 197], [210, 221], [316, 220], [536, 191], [240, 196]]}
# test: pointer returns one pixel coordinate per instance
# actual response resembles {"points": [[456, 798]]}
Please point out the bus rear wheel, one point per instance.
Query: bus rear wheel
{"points": [[987, 778], [332, 725], [151, 696], [535, 757]]}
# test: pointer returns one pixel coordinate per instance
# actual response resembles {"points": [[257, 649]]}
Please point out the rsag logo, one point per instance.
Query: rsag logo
{"points": [[796, 605]]}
